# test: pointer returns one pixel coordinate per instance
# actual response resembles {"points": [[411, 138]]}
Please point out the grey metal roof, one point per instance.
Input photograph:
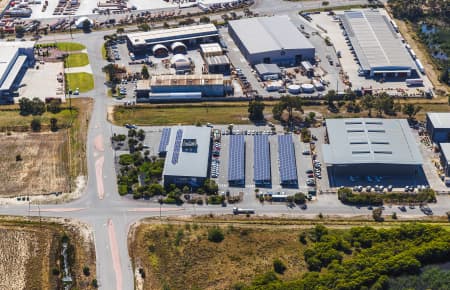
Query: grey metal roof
{"points": [[445, 149], [267, 68], [263, 34], [439, 120], [375, 42], [370, 141], [217, 60], [172, 34], [194, 164]]}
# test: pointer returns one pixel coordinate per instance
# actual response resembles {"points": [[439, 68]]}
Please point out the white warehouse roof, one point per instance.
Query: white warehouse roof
{"points": [[173, 34], [439, 120], [181, 163], [263, 34], [370, 141], [375, 42]]}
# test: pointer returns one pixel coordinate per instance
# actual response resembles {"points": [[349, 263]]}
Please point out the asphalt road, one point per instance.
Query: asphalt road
{"points": [[111, 215]]}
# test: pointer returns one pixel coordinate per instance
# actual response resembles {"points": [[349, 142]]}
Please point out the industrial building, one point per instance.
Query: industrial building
{"points": [[371, 147], [187, 156], [377, 46], [268, 71], [145, 42], [182, 87], [438, 127], [445, 158], [15, 58], [218, 64], [270, 40]]}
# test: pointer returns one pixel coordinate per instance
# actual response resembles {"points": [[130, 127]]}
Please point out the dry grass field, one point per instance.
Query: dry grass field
{"points": [[38, 163], [43, 167], [176, 254], [30, 251]]}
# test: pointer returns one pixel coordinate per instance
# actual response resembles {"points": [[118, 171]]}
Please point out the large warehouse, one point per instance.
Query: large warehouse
{"points": [[371, 147], [146, 42], [438, 127], [378, 47], [270, 40], [187, 156], [15, 58]]}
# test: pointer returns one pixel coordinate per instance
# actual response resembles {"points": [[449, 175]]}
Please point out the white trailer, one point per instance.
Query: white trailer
{"points": [[237, 210], [420, 66], [414, 82]]}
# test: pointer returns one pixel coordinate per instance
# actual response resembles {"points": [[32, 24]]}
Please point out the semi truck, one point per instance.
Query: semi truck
{"points": [[414, 82], [237, 210]]}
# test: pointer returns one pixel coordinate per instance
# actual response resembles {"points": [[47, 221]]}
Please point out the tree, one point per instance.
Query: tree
{"points": [[215, 235], [54, 124], [319, 232], [54, 106], [205, 19], [86, 271], [288, 103], [20, 31], [299, 198], [256, 110], [411, 110], [377, 214], [144, 27], [36, 125], [86, 25], [278, 266], [144, 72], [210, 186], [120, 30], [330, 97], [140, 134], [367, 103]]}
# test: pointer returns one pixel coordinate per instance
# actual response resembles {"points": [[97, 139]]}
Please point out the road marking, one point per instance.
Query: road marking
{"points": [[115, 254], [98, 143], [98, 176], [58, 209], [155, 209]]}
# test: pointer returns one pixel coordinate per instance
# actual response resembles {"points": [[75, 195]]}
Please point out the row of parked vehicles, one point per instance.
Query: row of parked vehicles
{"points": [[215, 162]]}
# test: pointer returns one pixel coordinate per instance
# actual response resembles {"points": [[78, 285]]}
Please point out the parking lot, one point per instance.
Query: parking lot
{"points": [[350, 66], [42, 83]]}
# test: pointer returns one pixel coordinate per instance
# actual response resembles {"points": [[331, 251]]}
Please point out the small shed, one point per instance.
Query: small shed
{"points": [[268, 71], [210, 49]]}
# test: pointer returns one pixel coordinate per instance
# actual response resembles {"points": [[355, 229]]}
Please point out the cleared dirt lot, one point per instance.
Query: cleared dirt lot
{"points": [[44, 164], [30, 254]]}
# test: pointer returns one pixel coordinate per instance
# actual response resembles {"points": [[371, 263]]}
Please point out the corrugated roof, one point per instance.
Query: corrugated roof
{"points": [[262, 34], [186, 80], [445, 149], [193, 164], [440, 120], [362, 140], [375, 42], [217, 60], [173, 34], [267, 68]]}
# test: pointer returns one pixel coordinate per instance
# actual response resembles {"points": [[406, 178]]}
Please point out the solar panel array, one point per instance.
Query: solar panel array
{"points": [[286, 155], [177, 146], [236, 162], [164, 140], [261, 156]]}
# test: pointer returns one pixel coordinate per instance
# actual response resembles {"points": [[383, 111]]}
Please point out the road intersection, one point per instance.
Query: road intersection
{"points": [[110, 215]]}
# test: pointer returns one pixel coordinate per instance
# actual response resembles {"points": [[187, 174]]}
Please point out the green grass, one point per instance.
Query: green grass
{"points": [[189, 114], [70, 46], [103, 51], [76, 59], [10, 118], [83, 81]]}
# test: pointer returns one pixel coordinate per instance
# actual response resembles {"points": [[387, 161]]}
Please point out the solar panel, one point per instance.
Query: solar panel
{"points": [[286, 155], [164, 140], [236, 167], [177, 146], [261, 157]]}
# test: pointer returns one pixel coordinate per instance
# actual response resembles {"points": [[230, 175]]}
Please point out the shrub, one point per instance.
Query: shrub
{"points": [[302, 238], [86, 271], [54, 106], [18, 158], [215, 235], [94, 283], [278, 266], [55, 272], [36, 125], [299, 198]]}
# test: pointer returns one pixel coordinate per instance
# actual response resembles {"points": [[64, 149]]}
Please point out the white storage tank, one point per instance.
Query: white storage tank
{"points": [[307, 88], [294, 89]]}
